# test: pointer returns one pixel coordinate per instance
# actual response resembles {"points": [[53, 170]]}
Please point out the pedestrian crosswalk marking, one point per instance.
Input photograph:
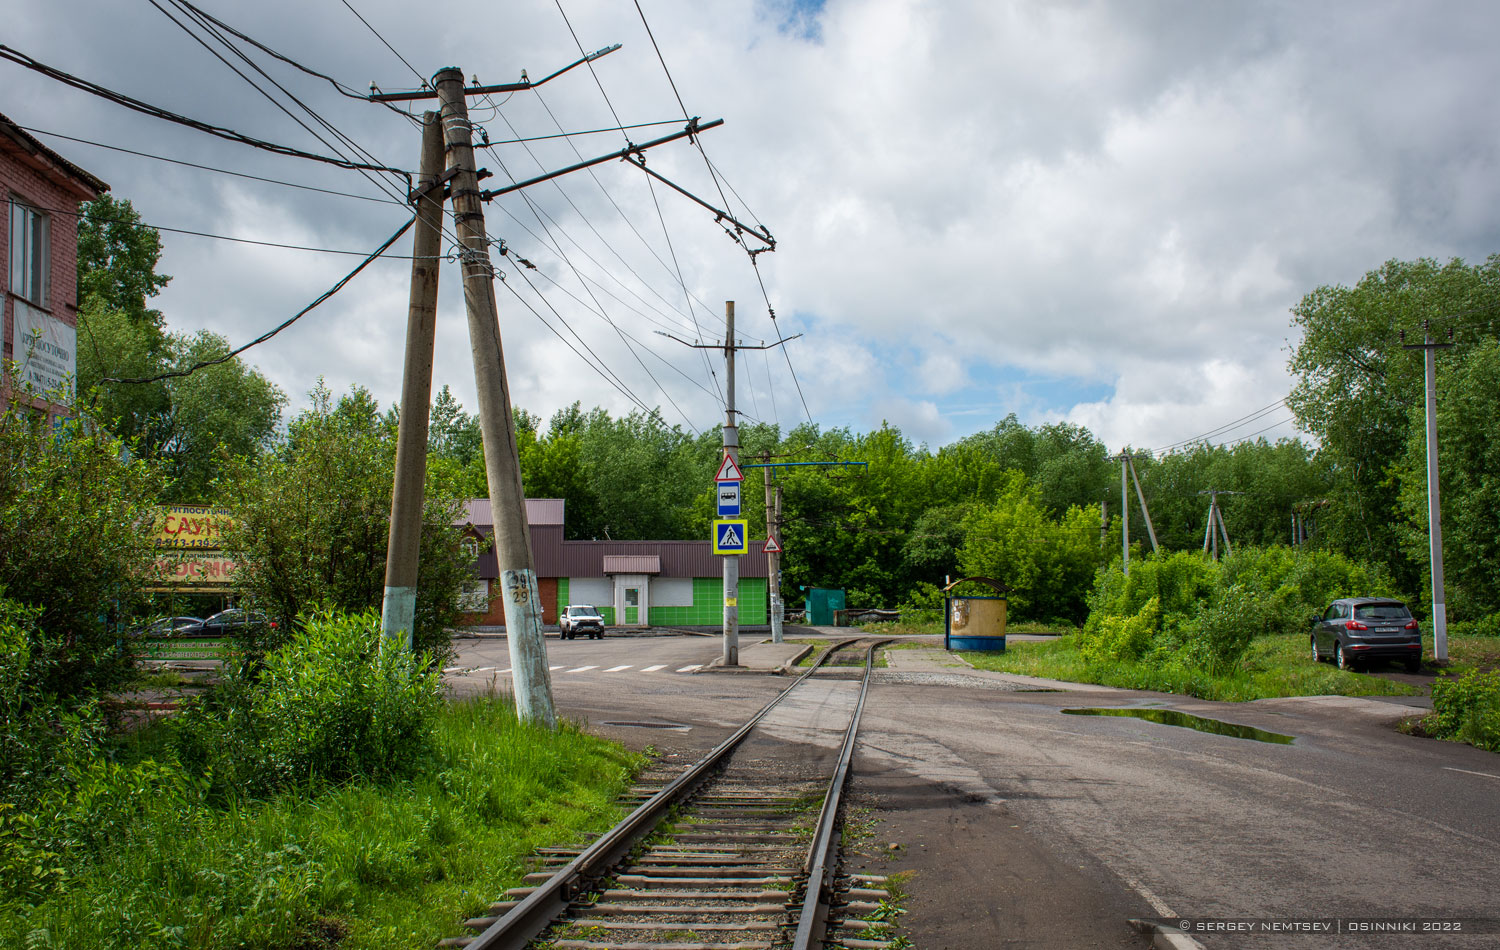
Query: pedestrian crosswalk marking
{"points": [[497, 671]]}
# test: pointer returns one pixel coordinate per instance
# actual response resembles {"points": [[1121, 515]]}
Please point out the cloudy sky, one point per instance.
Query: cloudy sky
{"points": [[1092, 212]]}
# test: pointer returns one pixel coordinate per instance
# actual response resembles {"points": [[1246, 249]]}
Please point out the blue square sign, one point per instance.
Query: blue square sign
{"points": [[731, 536], [729, 499]]}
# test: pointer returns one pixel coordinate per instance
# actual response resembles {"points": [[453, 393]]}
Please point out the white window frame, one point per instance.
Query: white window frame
{"points": [[30, 252]]}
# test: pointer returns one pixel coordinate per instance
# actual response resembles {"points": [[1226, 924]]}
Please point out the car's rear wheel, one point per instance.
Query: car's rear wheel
{"points": [[1412, 664], [1317, 657], [1345, 661]]}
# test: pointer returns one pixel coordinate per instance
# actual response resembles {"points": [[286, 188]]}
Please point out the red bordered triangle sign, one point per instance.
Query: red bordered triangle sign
{"points": [[772, 546], [729, 471]]}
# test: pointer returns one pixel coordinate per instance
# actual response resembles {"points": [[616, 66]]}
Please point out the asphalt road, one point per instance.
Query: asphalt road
{"points": [[1025, 827]]}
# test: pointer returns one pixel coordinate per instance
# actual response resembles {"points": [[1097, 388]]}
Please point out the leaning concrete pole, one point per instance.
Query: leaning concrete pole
{"points": [[518, 588], [398, 609]]}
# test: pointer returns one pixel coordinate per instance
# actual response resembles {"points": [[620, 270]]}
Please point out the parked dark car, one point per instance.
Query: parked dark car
{"points": [[581, 618], [1356, 631], [166, 626], [227, 623]]}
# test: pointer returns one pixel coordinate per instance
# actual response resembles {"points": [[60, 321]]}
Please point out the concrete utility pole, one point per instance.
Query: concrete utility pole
{"points": [[732, 450], [1434, 502], [518, 586], [1216, 526], [773, 557], [1124, 516], [778, 605], [1127, 465], [398, 607]]}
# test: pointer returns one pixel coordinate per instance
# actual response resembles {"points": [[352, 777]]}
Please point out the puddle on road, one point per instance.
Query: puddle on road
{"points": [[672, 726], [1171, 717]]}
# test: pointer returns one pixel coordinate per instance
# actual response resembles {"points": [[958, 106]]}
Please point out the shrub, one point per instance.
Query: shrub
{"points": [[335, 703], [1467, 709], [71, 544], [1108, 637], [1217, 639], [43, 737]]}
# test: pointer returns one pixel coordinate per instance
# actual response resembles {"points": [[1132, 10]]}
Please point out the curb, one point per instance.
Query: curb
{"points": [[1165, 936], [786, 667]]}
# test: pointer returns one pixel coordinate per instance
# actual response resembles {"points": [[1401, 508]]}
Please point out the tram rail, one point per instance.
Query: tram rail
{"points": [[737, 870]]}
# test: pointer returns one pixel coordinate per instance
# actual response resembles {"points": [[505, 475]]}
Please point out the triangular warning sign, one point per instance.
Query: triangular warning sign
{"points": [[729, 471], [772, 547], [730, 538]]}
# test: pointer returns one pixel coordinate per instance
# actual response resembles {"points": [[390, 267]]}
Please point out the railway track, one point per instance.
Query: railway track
{"points": [[726, 855]]}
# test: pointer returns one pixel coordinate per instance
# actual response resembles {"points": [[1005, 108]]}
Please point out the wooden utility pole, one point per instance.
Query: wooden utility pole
{"points": [[518, 587], [732, 450], [1434, 502], [399, 606]]}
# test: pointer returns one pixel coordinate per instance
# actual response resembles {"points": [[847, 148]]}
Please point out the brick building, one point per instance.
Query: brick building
{"points": [[633, 583], [39, 247]]}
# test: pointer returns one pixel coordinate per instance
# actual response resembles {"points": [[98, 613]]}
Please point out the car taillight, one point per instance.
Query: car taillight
{"points": [[1411, 625], [1354, 625]]}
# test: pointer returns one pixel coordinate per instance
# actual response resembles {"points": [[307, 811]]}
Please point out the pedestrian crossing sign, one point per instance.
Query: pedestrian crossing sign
{"points": [[731, 536]]}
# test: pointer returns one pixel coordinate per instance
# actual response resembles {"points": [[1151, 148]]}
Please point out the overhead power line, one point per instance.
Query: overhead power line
{"points": [[211, 168], [420, 78], [146, 108], [204, 364]]}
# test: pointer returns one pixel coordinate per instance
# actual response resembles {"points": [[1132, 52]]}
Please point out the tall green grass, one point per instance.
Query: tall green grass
{"points": [[1273, 666], [362, 865]]}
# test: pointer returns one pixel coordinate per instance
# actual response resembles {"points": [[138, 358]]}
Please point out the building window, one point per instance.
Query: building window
{"points": [[28, 253]]}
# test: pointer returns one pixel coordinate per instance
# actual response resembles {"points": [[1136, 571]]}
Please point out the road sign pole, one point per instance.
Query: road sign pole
{"points": [[731, 655]]}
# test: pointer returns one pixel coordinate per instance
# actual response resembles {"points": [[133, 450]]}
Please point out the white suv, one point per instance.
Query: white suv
{"points": [[581, 618]]}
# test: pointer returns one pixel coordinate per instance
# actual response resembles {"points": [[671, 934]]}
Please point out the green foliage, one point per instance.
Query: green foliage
{"points": [[1272, 666], [336, 702], [358, 866], [1111, 637], [1361, 396], [1217, 639], [1468, 417], [1467, 709], [71, 544], [1206, 613], [1047, 562], [312, 520], [117, 258], [188, 423]]}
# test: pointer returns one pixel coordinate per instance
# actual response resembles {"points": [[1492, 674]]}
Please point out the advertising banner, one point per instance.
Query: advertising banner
{"points": [[46, 351], [191, 526]]}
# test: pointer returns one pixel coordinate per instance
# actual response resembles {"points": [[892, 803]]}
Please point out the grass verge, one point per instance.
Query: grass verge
{"points": [[357, 866], [1275, 666]]}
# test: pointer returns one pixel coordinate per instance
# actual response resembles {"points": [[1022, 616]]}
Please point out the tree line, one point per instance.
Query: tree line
{"points": [[1035, 506]]}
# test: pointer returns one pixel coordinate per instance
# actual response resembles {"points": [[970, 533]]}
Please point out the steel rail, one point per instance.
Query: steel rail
{"points": [[524, 922], [822, 855]]}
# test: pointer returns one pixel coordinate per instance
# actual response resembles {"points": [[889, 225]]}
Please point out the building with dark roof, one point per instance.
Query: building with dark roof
{"points": [[633, 583], [39, 246]]}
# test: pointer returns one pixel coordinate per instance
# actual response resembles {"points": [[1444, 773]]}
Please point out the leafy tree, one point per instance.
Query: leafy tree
{"points": [[190, 423], [312, 519], [1047, 563], [1356, 387], [1468, 419], [71, 545], [117, 258]]}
